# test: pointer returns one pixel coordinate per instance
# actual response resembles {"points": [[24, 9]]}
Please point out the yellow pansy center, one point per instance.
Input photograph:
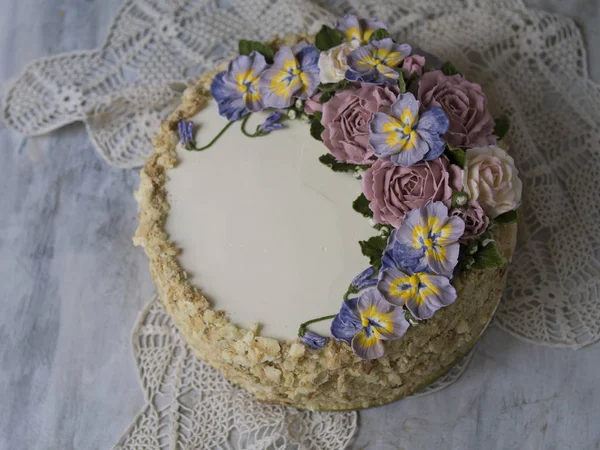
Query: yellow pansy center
{"points": [[416, 287], [401, 132], [248, 84], [375, 322], [286, 81]]}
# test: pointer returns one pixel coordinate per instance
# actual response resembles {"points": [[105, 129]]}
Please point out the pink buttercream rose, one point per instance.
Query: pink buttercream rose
{"points": [[413, 65], [465, 105], [475, 219], [312, 104], [346, 120], [394, 190]]}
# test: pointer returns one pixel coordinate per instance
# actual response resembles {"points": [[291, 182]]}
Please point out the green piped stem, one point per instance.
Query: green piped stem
{"points": [[302, 328], [196, 149]]}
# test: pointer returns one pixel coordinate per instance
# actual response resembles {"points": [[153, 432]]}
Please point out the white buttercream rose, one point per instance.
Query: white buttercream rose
{"points": [[491, 178], [332, 63]]}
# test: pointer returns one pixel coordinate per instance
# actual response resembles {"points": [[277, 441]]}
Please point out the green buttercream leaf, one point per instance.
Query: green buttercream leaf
{"points": [[402, 83], [455, 155], [327, 38], [361, 205], [329, 160], [373, 248], [502, 126], [325, 97], [379, 34], [449, 69], [507, 217], [487, 257], [316, 129], [332, 87], [246, 47], [318, 115]]}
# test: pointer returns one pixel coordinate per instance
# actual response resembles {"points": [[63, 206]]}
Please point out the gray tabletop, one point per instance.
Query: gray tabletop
{"points": [[72, 285]]}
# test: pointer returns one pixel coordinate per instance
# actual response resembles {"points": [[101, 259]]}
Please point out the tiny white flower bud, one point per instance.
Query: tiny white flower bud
{"points": [[305, 118], [291, 114], [299, 104]]}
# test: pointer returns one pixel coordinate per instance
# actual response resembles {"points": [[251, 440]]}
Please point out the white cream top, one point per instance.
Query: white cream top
{"points": [[268, 232]]}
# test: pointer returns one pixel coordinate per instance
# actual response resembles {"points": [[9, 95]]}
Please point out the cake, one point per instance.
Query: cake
{"points": [[329, 219]]}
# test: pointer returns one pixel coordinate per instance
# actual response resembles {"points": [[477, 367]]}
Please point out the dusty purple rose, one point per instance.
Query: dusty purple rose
{"points": [[346, 120], [394, 190], [312, 104], [465, 104], [475, 219], [413, 65]]}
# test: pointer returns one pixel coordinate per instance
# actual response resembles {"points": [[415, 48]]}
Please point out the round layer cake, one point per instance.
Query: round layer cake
{"points": [[252, 237]]}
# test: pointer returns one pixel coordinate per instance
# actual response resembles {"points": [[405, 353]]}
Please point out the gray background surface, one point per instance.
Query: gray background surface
{"points": [[72, 285]]}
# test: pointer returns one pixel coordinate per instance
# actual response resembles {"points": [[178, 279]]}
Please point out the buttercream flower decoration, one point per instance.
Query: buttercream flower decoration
{"points": [[377, 62], [431, 234], [422, 293], [491, 178], [476, 221], [360, 30], [366, 322], [465, 104], [294, 74], [186, 133], [313, 340], [406, 137], [394, 190], [333, 62], [271, 123], [236, 90]]}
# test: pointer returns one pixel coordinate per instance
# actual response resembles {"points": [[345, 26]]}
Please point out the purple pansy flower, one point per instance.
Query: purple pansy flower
{"points": [[426, 241], [376, 62], [403, 257], [186, 133], [313, 340], [294, 74], [404, 136], [366, 322], [271, 123], [363, 280], [236, 89], [422, 293], [359, 29]]}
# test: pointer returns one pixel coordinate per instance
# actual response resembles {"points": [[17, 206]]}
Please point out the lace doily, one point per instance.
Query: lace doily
{"points": [[189, 405]]}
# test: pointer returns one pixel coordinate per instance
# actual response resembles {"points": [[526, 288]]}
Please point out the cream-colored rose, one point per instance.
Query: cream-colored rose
{"points": [[491, 178], [332, 63]]}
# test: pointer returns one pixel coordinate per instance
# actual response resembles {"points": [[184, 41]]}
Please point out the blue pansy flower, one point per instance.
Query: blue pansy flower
{"points": [[359, 29], [376, 62], [364, 279], [406, 137], [271, 123], [366, 322], [236, 90], [294, 74], [186, 133], [313, 340], [426, 241]]}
